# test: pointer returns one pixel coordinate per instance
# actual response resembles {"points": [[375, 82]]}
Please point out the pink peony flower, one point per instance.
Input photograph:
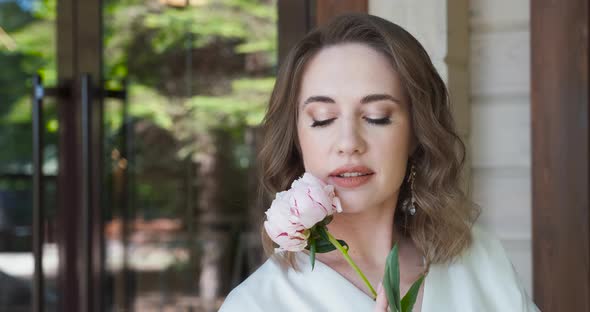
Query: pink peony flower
{"points": [[295, 211], [312, 200], [294, 221]]}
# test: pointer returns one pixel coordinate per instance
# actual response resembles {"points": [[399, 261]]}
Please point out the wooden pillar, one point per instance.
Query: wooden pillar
{"points": [[67, 212], [328, 9], [560, 140], [295, 20], [298, 17], [79, 237]]}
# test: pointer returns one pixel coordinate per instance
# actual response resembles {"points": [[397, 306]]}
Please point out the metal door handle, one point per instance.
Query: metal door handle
{"points": [[38, 189]]}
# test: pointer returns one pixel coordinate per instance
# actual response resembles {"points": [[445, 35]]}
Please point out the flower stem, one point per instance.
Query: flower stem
{"points": [[344, 252]]}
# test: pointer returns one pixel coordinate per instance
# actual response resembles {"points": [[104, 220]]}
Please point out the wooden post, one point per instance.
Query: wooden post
{"points": [[328, 9], [297, 17], [560, 140]]}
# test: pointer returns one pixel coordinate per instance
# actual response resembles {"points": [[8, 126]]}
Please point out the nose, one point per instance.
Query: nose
{"points": [[351, 140]]}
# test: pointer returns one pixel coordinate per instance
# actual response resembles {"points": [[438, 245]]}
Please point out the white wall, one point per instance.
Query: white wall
{"points": [[496, 121], [501, 126], [411, 17]]}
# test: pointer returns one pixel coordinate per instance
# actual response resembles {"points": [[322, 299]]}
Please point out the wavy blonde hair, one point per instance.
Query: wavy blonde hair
{"points": [[441, 227]]}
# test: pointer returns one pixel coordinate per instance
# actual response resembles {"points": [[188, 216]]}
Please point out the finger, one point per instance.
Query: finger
{"points": [[381, 302]]}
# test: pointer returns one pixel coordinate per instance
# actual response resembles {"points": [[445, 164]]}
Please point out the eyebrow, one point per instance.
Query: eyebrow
{"points": [[366, 99]]}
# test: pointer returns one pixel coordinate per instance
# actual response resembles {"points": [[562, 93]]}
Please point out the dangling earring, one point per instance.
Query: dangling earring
{"points": [[408, 203]]}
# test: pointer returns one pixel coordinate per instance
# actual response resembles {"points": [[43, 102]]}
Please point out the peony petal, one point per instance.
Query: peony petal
{"points": [[337, 204], [308, 180], [310, 212], [293, 212]]}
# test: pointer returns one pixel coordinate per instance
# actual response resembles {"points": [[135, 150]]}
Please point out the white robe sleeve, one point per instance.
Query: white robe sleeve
{"points": [[482, 279]]}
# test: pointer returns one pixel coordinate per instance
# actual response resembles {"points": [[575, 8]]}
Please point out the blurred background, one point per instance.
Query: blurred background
{"points": [[129, 129], [184, 84]]}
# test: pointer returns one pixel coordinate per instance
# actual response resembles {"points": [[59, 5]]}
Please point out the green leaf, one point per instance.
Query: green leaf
{"points": [[327, 220], [409, 299], [343, 243], [312, 250], [322, 232], [324, 238], [391, 280], [323, 246]]}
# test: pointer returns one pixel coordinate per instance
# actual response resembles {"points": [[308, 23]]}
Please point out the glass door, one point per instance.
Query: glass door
{"points": [[127, 173], [27, 45], [181, 221]]}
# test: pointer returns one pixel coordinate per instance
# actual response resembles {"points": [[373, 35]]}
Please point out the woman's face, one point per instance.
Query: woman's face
{"points": [[353, 112]]}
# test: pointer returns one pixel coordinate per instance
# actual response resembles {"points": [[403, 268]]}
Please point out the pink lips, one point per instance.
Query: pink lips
{"points": [[349, 182]]}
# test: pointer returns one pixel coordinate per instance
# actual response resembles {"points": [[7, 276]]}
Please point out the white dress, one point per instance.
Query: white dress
{"points": [[482, 279]]}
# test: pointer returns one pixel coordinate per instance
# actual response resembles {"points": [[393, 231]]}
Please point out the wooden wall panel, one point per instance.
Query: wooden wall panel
{"points": [[500, 137], [499, 15], [561, 219], [500, 63], [500, 140]]}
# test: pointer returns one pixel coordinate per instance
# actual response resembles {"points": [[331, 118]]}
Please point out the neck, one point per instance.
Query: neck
{"points": [[369, 234]]}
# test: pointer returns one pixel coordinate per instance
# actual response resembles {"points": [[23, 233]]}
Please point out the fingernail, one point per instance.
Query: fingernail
{"points": [[379, 288]]}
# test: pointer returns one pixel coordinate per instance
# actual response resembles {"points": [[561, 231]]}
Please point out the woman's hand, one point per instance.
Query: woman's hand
{"points": [[381, 304]]}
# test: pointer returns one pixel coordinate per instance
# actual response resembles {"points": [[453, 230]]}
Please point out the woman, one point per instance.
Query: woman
{"points": [[358, 104]]}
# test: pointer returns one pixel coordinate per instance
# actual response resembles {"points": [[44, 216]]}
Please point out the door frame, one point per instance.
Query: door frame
{"points": [[79, 234]]}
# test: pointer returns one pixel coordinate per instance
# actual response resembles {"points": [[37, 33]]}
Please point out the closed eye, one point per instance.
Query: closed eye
{"points": [[380, 121], [321, 123]]}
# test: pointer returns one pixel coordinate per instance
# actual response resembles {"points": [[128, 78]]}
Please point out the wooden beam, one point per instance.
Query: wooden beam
{"points": [[328, 9], [560, 164], [295, 19], [458, 77], [298, 17]]}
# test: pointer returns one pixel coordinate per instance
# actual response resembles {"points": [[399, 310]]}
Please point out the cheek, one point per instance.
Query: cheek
{"points": [[393, 152], [394, 140], [311, 148]]}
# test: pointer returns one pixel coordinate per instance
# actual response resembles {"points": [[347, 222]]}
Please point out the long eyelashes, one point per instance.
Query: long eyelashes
{"points": [[381, 121], [322, 123]]}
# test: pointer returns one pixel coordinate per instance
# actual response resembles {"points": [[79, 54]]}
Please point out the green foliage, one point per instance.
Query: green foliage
{"points": [[36, 48], [34, 52], [146, 103], [391, 281], [252, 24], [247, 102], [147, 44], [319, 241], [12, 17], [45, 10], [407, 303], [143, 44], [146, 35]]}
